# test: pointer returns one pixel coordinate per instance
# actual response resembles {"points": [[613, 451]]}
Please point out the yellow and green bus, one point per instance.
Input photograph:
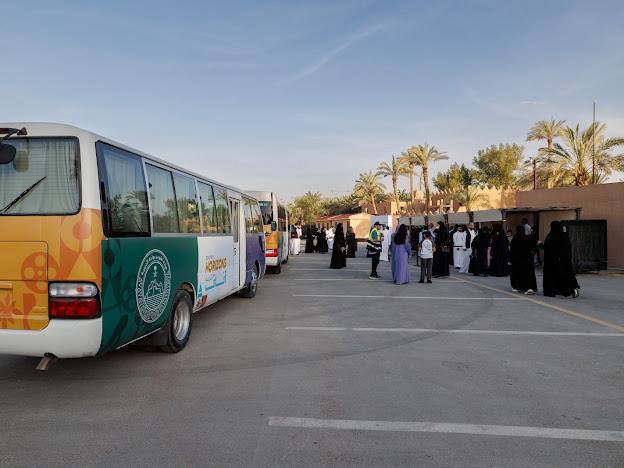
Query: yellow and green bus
{"points": [[102, 245]]}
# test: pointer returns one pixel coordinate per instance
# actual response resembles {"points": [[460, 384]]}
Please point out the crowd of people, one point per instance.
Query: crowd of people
{"points": [[479, 251]]}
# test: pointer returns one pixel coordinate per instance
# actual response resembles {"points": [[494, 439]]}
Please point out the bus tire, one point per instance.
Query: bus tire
{"points": [[276, 270], [179, 324], [251, 289]]}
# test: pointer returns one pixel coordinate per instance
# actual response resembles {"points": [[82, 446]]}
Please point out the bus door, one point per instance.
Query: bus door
{"points": [[240, 251]]}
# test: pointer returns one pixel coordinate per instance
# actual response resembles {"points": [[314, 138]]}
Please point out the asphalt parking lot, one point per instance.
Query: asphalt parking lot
{"points": [[327, 367]]}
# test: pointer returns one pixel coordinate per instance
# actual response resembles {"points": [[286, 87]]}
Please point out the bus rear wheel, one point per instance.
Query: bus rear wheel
{"points": [[276, 270], [179, 324], [252, 288]]}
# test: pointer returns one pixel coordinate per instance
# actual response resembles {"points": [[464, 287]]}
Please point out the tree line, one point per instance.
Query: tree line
{"points": [[571, 156]]}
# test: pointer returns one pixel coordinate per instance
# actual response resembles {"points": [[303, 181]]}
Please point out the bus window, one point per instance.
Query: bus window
{"points": [[266, 208], [48, 169], [281, 215], [257, 216], [187, 204], [162, 198], [250, 223], [223, 210], [209, 215], [125, 207]]}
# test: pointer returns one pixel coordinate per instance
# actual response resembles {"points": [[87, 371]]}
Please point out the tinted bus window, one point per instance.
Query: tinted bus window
{"points": [[257, 216], [125, 198], [188, 213], [281, 215], [209, 214], [162, 200], [266, 207], [223, 210], [250, 225]]}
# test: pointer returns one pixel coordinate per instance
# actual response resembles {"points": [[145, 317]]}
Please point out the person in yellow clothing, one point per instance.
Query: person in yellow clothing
{"points": [[374, 248]]}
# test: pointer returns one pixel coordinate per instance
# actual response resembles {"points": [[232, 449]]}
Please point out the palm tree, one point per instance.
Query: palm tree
{"points": [[368, 187], [544, 130], [470, 197], [394, 170], [409, 160], [571, 163], [425, 155]]}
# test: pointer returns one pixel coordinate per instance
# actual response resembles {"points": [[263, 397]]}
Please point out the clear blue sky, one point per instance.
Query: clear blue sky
{"points": [[310, 93]]}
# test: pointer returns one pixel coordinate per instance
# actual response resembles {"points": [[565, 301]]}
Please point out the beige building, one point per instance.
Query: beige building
{"points": [[360, 222]]}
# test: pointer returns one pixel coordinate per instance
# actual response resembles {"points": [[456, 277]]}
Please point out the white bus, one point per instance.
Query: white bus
{"points": [[102, 245]]}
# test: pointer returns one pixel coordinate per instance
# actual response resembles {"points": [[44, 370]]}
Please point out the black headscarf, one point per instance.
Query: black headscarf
{"points": [[401, 235]]}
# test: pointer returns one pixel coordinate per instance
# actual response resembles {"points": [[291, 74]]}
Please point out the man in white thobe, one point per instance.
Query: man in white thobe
{"points": [[385, 244], [459, 247], [471, 233]]}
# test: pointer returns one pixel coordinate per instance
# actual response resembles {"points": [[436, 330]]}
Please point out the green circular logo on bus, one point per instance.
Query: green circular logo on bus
{"points": [[153, 285]]}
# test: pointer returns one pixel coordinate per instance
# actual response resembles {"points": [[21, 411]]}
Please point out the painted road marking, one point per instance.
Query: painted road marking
{"points": [[455, 330], [448, 428], [580, 315], [320, 269], [432, 298]]}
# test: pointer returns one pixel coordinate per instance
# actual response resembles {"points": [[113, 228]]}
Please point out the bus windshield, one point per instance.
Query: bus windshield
{"points": [[42, 179], [266, 207]]}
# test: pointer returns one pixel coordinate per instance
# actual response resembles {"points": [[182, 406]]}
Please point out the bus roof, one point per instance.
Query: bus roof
{"points": [[51, 129]]}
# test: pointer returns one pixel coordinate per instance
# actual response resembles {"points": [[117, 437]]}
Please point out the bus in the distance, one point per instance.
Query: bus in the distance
{"points": [[103, 245], [275, 219]]}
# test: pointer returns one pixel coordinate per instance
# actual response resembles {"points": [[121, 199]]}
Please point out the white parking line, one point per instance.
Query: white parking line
{"points": [[322, 269], [448, 428], [432, 298], [455, 330]]}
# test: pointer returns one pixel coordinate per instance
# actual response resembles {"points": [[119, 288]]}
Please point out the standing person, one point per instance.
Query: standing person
{"points": [[294, 241], [351, 243], [339, 252], [309, 247], [451, 255], [528, 230], [459, 247], [374, 248], [499, 266], [385, 244], [480, 246], [426, 252], [321, 241], [559, 277], [401, 250], [330, 238], [471, 233], [522, 274], [299, 236], [441, 255]]}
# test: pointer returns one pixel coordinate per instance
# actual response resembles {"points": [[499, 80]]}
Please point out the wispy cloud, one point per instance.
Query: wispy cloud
{"points": [[332, 54], [532, 103]]}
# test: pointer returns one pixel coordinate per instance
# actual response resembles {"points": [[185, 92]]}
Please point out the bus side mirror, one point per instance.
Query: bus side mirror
{"points": [[273, 225]]}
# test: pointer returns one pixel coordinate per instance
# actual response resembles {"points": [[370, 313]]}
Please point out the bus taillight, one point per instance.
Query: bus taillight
{"points": [[73, 300], [271, 252]]}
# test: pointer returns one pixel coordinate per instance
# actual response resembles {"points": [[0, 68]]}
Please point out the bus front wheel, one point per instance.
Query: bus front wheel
{"points": [[179, 324]]}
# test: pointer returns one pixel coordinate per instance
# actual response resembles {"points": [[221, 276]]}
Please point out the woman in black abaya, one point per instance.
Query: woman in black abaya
{"points": [[339, 250], [442, 251], [351, 243], [479, 256], [559, 278], [321, 242], [309, 248], [522, 274], [500, 254]]}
